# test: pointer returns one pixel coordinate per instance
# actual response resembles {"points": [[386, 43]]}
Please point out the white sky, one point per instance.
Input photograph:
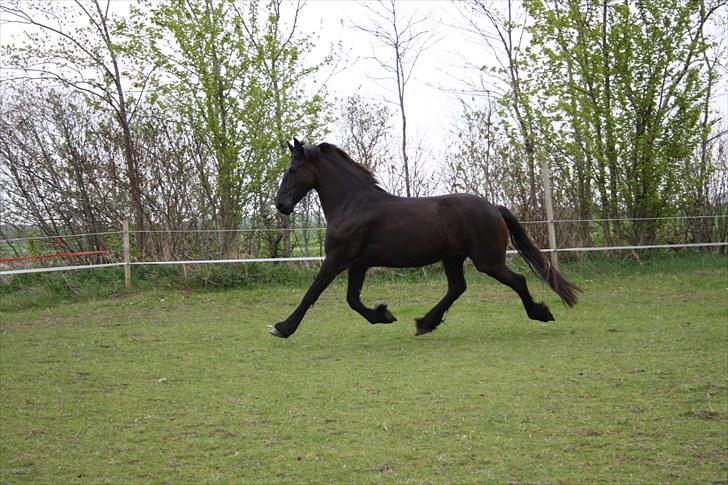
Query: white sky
{"points": [[430, 99]]}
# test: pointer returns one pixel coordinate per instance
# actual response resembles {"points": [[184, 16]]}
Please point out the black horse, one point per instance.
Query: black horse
{"points": [[370, 227]]}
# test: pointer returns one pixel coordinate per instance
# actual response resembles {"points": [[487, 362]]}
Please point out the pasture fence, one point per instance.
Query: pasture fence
{"points": [[24, 254]]}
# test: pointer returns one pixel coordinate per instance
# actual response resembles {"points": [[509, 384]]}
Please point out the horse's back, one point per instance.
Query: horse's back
{"points": [[422, 230]]}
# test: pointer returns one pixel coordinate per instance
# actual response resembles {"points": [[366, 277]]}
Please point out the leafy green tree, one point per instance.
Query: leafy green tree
{"points": [[294, 91], [621, 90], [237, 80], [207, 92]]}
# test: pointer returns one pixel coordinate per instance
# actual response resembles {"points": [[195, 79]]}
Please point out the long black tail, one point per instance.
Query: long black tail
{"points": [[537, 261]]}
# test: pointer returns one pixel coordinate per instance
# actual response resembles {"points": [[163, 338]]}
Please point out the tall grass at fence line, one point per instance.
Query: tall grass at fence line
{"points": [[41, 290]]}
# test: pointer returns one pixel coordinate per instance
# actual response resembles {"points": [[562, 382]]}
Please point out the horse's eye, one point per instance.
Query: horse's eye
{"points": [[292, 169]]}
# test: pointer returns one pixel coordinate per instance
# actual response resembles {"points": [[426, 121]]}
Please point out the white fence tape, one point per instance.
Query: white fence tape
{"points": [[646, 246], [58, 268], [320, 258]]}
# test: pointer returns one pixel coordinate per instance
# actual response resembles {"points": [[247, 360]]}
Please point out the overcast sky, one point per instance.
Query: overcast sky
{"points": [[432, 95], [431, 99]]}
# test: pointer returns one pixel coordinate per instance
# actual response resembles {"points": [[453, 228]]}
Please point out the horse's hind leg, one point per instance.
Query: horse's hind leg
{"points": [[501, 272], [380, 314], [455, 287]]}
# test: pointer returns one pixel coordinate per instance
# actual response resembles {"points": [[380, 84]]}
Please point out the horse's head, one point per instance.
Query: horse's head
{"points": [[300, 177]]}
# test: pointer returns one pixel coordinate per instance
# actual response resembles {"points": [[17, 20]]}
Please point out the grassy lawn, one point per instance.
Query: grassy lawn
{"points": [[187, 387]]}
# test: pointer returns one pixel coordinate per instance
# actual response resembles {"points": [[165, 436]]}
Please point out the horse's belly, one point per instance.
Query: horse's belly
{"points": [[397, 252], [413, 232], [411, 261]]}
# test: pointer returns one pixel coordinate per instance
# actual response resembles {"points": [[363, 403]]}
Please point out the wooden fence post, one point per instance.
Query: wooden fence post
{"points": [[127, 258], [549, 212]]}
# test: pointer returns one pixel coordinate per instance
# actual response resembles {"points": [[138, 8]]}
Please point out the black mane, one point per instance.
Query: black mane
{"points": [[336, 155]]}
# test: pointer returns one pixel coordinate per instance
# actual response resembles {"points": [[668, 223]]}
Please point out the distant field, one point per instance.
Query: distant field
{"points": [[173, 386]]}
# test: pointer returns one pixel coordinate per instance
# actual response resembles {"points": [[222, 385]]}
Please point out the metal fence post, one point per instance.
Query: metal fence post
{"points": [[127, 257]]}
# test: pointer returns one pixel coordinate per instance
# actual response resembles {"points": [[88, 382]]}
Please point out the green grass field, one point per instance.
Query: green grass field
{"points": [[175, 386]]}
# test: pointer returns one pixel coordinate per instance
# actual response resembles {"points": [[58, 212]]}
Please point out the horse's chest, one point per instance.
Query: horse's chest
{"points": [[347, 238]]}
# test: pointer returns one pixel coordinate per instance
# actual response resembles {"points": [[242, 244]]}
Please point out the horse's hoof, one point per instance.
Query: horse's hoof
{"points": [[275, 332], [384, 315], [541, 313], [421, 328]]}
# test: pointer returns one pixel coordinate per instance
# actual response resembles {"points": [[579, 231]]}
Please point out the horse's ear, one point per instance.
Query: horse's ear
{"points": [[297, 144], [290, 147]]}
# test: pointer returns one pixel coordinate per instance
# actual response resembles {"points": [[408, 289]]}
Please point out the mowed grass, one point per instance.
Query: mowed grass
{"points": [[187, 387]]}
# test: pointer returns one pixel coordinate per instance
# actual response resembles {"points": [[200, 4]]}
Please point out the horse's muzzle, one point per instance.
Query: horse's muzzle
{"points": [[284, 208]]}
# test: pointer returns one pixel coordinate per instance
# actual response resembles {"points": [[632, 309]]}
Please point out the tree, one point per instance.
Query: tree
{"points": [[512, 71], [82, 45], [364, 131], [406, 39], [209, 94], [518, 102], [473, 162], [56, 168], [705, 173], [293, 87], [237, 80], [622, 88], [174, 198]]}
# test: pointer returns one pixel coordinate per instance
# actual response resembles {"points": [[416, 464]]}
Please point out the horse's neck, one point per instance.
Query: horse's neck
{"points": [[337, 188]]}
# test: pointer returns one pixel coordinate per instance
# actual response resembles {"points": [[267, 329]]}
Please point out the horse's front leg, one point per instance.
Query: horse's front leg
{"points": [[380, 314], [330, 267]]}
